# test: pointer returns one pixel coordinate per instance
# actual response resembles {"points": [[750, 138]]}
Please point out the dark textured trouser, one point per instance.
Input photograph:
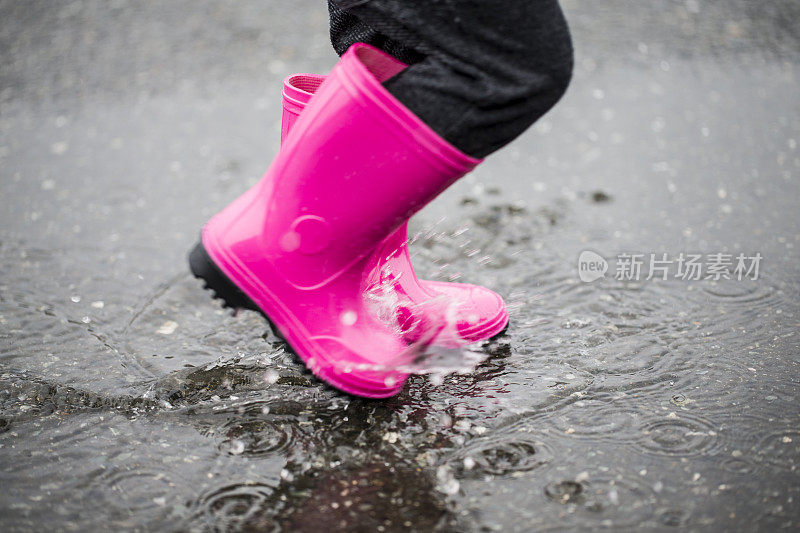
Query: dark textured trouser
{"points": [[482, 71]]}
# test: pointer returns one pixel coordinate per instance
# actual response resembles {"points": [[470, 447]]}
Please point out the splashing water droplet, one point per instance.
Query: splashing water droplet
{"points": [[167, 328], [429, 328], [236, 447], [348, 318], [446, 482]]}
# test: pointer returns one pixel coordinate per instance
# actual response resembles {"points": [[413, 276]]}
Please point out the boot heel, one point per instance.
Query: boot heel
{"points": [[218, 283]]}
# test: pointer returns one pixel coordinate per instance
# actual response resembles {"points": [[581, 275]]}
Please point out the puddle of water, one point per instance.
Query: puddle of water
{"points": [[634, 376], [130, 400]]}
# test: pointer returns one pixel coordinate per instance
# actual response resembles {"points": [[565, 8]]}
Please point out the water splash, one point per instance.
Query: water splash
{"points": [[429, 327]]}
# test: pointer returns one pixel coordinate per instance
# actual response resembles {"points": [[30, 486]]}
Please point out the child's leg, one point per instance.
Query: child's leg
{"points": [[347, 29], [484, 70]]}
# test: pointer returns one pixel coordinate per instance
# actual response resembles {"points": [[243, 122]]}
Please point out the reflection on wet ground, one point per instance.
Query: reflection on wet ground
{"points": [[130, 399]]}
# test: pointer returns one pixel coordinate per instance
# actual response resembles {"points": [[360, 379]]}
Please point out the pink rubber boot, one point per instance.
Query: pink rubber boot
{"points": [[299, 245], [479, 312]]}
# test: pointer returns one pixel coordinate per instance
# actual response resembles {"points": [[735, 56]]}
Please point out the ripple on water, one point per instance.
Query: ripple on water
{"points": [[237, 507], [54, 339], [672, 517], [501, 455], [679, 435], [564, 492], [621, 336], [50, 320], [257, 427], [597, 420], [738, 315], [741, 438], [139, 489], [625, 356], [751, 440], [260, 436], [753, 294], [179, 323], [603, 500], [780, 448]]}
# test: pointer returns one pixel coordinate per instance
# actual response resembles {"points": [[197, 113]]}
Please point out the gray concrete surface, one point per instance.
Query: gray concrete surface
{"points": [[130, 400]]}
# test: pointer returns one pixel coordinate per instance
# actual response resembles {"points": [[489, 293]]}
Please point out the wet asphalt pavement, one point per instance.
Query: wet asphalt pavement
{"points": [[131, 400]]}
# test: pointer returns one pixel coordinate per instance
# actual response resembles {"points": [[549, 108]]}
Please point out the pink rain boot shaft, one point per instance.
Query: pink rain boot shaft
{"points": [[300, 243], [479, 312]]}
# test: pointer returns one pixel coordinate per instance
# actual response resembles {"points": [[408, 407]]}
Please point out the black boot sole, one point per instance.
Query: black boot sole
{"points": [[203, 267]]}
